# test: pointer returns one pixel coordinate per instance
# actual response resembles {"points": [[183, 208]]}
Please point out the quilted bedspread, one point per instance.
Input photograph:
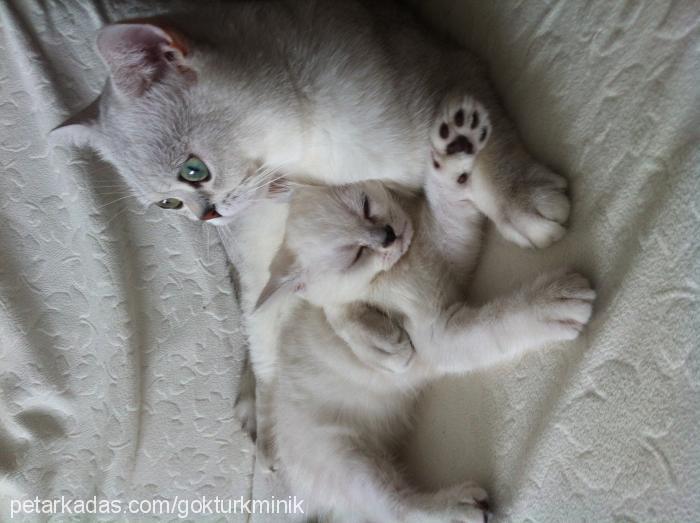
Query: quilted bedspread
{"points": [[120, 343]]}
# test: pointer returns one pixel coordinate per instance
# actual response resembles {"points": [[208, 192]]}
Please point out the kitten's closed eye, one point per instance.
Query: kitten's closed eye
{"points": [[366, 208], [359, 254]]}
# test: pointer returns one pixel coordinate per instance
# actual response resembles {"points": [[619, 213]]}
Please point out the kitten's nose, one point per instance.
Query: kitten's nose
{"points": [[210, 214], [390, 236]]}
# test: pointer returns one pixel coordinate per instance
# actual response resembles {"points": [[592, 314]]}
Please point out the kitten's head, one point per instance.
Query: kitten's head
{"points": [[338, 239], [179, 142]]}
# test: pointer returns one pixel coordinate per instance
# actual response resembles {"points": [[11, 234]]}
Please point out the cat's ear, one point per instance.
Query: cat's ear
{"points": [[279, 189], [79, 130], [139, 53], [285, 278]]}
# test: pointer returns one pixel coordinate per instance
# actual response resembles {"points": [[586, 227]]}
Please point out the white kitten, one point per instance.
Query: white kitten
{"points": [[382, 278], [203, 109]]}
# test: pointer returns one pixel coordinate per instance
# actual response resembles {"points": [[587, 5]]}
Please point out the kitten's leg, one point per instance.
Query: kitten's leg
{"points": [[244, 407], [376, 339], [554, 308], [330, 471], [265, 451], [253, 410], [460, 132], [525, 199]]}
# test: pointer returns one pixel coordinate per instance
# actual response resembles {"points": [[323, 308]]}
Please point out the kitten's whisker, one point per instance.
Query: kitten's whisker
{"points": [[264, 184], [115, 192], [118, 214], [117, 200]]}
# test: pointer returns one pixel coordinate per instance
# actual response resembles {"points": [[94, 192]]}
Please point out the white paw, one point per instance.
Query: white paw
{"points": [[460, 131], [394, 354], [244, 412], [466, 503], [535, 217], [563, 304]]}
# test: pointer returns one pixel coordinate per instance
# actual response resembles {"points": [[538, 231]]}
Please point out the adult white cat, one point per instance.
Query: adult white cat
{"points": [[203, 109]]}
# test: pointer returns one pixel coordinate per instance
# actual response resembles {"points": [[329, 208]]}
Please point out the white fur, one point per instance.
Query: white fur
{"points": [[370, 332], [320, 90]]}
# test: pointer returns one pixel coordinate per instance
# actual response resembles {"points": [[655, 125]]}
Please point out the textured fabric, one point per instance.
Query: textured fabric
{"points": [[119, 343], [119, 337], [606, 428]]}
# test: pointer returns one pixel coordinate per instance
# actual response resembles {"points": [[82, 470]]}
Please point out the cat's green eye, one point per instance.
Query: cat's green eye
{"points": [[170, 203], [194, 170]]}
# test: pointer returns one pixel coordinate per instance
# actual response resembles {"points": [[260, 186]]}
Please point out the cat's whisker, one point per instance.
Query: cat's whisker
{"points": [[111, 193], [264, 184], [117, 200], [127, 208]]}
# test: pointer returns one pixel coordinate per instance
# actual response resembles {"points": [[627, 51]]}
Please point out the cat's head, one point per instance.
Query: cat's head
{"points": [[338, 239], [178, 141]]}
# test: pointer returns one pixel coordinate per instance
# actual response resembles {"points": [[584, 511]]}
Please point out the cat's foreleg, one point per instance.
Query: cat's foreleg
{"points": [[460, 132], [555, 307], [525, 199], [376, 339]]}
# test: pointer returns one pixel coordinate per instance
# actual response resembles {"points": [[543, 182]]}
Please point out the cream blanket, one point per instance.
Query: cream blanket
{"points": [[119, 343]]}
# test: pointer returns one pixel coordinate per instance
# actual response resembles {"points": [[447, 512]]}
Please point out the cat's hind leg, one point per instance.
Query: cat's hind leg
{"points": [[244, 406], [525, 199], [335, 474]]}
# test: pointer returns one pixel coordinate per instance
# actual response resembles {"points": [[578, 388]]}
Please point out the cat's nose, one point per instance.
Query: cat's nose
{"points": [[210, 214], [390, 236]]}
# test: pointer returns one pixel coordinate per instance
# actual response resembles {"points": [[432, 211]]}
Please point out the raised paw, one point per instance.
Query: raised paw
{"points": [[535, 215], [562, 303], [394, 353], [462, 129]]}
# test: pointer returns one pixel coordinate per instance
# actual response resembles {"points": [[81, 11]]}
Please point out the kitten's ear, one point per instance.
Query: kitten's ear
{"points": [[79, 129], [140, 52], [285, 278], [279, 189]]}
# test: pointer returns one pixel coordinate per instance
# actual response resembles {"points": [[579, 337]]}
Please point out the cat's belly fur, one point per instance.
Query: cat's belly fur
{"points": [[369, 100]]}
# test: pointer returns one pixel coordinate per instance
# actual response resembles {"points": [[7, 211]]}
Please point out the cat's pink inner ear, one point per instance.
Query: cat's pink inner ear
{"points": [[140, 54], [279, 187]]}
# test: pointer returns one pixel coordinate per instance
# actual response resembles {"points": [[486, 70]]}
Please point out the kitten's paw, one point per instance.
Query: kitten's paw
{"points": [[244, 412], [535, 216], [394, 353], [461, 130], [563, 303], [465, 503]]}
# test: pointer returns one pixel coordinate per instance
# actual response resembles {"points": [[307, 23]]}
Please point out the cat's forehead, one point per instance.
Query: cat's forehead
{"points": [[156, 133]]}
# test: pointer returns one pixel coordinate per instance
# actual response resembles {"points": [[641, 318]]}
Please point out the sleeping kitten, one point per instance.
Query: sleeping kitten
{"points": [[382, 277], [202, 110]]}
